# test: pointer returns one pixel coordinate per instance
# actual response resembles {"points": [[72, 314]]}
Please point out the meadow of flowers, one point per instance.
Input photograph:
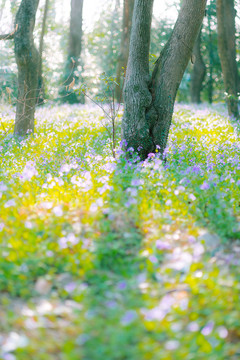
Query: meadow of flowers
{"points": [[115, 259]]}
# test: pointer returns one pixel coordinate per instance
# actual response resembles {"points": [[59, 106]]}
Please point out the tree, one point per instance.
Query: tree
{"points": [[71, 75], [227, 52], [40, 90], [27, 58], [149, 101], [198, 72], [124, 49]]}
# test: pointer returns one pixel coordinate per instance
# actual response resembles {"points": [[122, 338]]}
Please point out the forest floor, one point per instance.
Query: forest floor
{"points": [[115, 259]]}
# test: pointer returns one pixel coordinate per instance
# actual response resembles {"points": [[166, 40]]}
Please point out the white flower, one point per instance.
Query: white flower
{"points": [[57, 210], [10, 203], [192, 197]]}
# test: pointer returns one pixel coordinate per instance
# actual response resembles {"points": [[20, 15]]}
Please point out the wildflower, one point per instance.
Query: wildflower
{"points": [[10, 203], [128, 317], [162, 245], [153, 259], [192, 197], [137, 182], [205, 186], [207, 329], [131, 149], [57, 210], [222, 332], [94, 207], [151, 155], [193, 326], [132, 191], [104, 188], [70, 287], [3, 187], [29, 171], [172, 345], [28, 225]]}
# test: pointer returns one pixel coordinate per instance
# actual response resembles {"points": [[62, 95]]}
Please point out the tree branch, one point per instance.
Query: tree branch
{"points": [[7, 36]]}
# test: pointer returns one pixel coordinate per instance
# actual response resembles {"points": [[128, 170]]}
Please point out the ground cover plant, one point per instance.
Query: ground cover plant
{"points": [[105, 258]]}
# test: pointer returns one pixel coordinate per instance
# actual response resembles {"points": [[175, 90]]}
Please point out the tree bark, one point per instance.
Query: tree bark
{"points": [[198, 72], [74, 51], [227, 52], [40, 90], [149, 101], [27, 62], [124, 48]]}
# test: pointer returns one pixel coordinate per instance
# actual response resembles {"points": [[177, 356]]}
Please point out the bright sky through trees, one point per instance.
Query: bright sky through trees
{"points": [[92, 8]]}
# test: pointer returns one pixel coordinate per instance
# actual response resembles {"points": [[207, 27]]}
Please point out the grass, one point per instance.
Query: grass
{"points": [[113, 259]]}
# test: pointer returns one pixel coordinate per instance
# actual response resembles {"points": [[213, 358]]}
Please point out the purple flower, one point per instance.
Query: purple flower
{"points": [[70, 287], [128, 317], [137, 182], [207, 328], [205, 186], [122, 285], [153, 259], [162, 245]]}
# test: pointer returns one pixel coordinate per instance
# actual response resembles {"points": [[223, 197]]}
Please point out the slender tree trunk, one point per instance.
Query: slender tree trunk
{"points": [[124, 49], [211, 59], [198, 72], [74, 51], [40, 91], [227, 52], [27, 62], [149, 101]]}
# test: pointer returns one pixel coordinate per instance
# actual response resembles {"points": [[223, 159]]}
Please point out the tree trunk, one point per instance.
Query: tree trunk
{"points": [[40, 90], [198, 72], [210, 54], [124, 49], [227, 52], [149, 101], [74, 51], [27, 62]]}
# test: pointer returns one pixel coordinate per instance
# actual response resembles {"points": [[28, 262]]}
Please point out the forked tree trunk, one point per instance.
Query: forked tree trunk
{"points": [[27, 62], [198, 72], [74, 51], [227, 52], [149, 101], [124, 49]]}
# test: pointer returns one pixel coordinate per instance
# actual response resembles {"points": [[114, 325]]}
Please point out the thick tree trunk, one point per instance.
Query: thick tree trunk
{"points": [[149, 102], [71, 75], [227, 52], [40, 91], [137, 96], [124, 49], [198, 72], [27, 61]]}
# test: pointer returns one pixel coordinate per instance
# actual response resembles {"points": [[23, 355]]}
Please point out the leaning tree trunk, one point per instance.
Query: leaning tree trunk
{"points": [[124, 48], [27, 62], [198, 72], [71, 75], [40, 90], [227, 52], [149, 101]]}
